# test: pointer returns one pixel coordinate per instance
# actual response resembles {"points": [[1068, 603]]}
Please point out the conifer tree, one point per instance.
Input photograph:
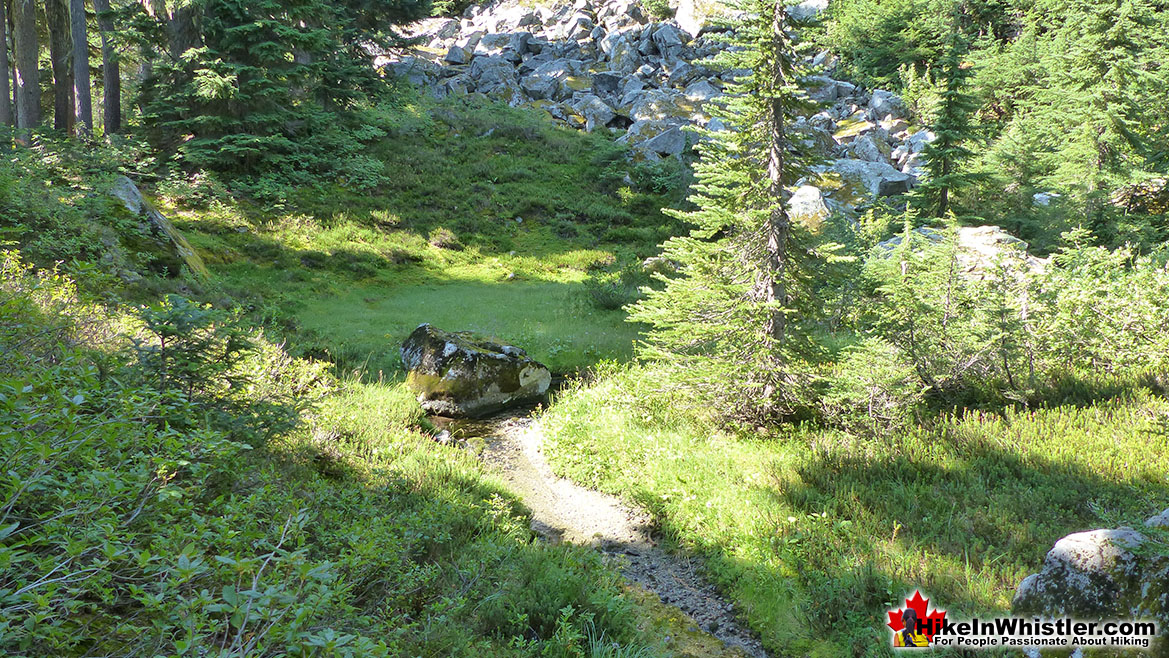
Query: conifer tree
{"points": [[229, 93], [110, 70], [26, 48], [1091, 117], [1108, 74], [82, 92], [60, 58], [945, 156], [732, 327], [5, 96]]}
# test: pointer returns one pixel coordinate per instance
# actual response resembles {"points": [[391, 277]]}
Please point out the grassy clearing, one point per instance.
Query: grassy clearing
{"points": [[553, 321], [201, 518], [816, 533], [493, 220]]}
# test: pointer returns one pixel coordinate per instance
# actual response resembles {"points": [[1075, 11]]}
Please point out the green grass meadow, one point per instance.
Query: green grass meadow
{"points": [[816, 533], [494, 222]]}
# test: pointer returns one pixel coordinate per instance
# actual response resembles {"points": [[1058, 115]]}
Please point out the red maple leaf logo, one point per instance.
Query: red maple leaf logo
{"points": [[931, 622]]}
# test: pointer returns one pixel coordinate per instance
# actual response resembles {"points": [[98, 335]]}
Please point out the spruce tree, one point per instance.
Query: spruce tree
{"points": [[82, 92], [732, 326], [1091, 118], [60, 59], [1107, 92], [946, 156], [26, 48], [265, 89], [111, 73]]}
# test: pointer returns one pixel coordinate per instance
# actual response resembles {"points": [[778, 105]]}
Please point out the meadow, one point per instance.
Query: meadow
{"points": [[815, 533]]}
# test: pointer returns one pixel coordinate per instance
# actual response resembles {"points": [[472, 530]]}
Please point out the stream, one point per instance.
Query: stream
{"points": [[563, 511]]}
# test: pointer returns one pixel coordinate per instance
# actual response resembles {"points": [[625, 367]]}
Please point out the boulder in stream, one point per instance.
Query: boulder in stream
{"points": [[459, 375]]}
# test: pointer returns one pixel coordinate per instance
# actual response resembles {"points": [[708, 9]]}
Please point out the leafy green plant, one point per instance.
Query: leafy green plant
{"points": [[658, 9], [193, 349]]}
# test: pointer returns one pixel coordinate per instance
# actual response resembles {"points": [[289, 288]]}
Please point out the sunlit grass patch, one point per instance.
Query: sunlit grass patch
{"points": [[820, 525], [552, 321]]}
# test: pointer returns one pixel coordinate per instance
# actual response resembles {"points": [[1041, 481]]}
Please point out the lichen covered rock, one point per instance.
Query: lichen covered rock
{"points": [[1102, 574], [169, 248], [456, 374]]}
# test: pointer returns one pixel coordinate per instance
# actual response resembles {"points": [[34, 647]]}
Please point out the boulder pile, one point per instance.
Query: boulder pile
{"points": [[592, 64]]}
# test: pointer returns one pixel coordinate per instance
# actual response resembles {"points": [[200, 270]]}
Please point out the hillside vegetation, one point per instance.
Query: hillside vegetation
{"points": [[176, 481], [777, 271]]}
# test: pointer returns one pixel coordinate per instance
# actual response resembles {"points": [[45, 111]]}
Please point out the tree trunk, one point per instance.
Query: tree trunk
{"points": [[156, 8], [183, 30], [944, 193], [82, 93], [28, 83], [5, 97], [57, 19], [778, 224], [111, 71]]}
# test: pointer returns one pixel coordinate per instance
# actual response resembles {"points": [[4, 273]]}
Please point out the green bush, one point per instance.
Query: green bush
{"points": [[1004, 333], [873, 389], [658, 9]]}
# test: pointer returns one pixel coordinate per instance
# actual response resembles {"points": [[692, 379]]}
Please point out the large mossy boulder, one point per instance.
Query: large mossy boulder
{"points": [[459, 375], [1105, 574]]}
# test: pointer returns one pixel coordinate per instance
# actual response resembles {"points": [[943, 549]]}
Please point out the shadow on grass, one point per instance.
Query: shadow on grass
{"points": [[963, 511], [430, 548], [970, 509]]}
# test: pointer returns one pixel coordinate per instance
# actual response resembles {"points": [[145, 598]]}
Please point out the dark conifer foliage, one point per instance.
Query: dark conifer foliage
{"points": [[947, 156], [266, 88]]}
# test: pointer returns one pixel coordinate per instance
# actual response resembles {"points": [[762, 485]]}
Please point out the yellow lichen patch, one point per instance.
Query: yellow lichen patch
{"points": [[840, 189], [578, 83], [851, 127], [539, 104], [429, 52]]}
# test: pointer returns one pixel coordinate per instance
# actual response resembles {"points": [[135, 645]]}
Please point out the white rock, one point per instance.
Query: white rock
{"points": [[886, 103], [702, 91], [807, 10], [1044, 198], [808, 207]]}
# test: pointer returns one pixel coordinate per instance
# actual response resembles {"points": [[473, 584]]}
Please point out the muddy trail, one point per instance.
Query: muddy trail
{"points": [[563, 511]]}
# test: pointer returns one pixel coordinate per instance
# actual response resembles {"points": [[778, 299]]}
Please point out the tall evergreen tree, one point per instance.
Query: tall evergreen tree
{"points": [[26, 48], [5, 89], [240, 93], [732, 326], [1091, 119], [110, 70], [1108, 74], [82, 92], [778, 224], [945, 156], [60, 51]]}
